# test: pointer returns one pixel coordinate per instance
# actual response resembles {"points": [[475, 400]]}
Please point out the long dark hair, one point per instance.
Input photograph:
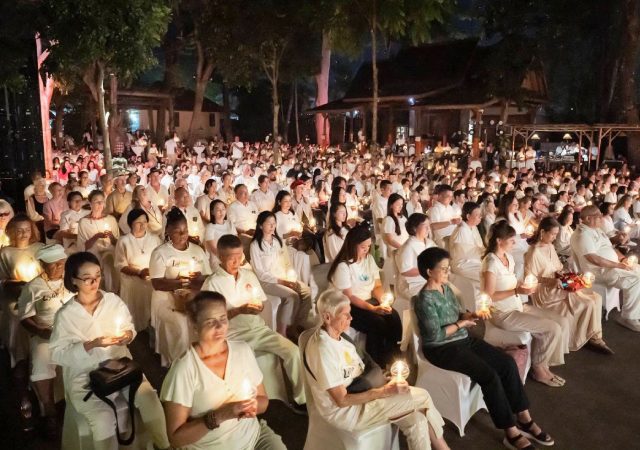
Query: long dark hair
{"points": [[499, 230], [333, 225], [279, 196], [212, 206], [505, 202], [392, 199], [348, 252], [259, 234], [547, 224], [335, 195]]}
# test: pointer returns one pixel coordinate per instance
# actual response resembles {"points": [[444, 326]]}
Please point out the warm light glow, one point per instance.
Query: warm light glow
{"points": [[632, 260], [588, 278], [627, 229], [247, 390], [483, 303], [387, 300], [27, 271], [399, 371], [255, 296], [291, 275], [119, 332], [530, 230], [106, 226], [312, 222], [530, 281], [161, 202], [192, 266]]}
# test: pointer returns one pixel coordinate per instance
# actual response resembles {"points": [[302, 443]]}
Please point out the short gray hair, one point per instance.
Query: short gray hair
{"points": [[330, 301]]}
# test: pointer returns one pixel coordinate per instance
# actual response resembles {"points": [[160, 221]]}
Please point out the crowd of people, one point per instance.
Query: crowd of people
{"points": [[190, 246]]}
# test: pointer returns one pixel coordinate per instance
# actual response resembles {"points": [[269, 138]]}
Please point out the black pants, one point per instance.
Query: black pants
{"points": [[495, 372], [383, 333]]}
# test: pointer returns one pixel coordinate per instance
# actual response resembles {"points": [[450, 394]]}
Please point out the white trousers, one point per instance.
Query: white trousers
{"points": [[628, 282]]}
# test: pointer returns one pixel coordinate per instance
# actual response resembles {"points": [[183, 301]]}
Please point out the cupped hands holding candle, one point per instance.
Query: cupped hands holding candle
{"points": [[386, 300], [483, 306], [530, 282], [399, 371], [631, 261]]}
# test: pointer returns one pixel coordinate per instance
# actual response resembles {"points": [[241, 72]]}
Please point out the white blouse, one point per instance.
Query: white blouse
{"points": [[333, 243], [136, 252], [271, 262], [88, 227], [286, 223], [505, 280]]}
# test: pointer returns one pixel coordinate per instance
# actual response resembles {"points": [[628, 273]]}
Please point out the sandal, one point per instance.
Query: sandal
{"points": [[552, 382], [541, 438], [559, 379], [510, 443]]}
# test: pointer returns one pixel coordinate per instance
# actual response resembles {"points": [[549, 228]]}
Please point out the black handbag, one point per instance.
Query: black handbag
{"points": [[372, 377], [112, 376]]}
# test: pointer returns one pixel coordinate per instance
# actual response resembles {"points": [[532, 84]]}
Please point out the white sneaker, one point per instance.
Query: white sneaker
{"points": [[631, 324]]}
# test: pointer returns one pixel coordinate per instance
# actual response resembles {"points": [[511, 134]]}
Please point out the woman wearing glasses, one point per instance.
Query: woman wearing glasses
{"points": [[92, 327], [214, 392], [140, 200]]}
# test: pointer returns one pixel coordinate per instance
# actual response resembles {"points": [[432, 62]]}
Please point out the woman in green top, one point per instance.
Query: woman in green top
{"points": [[446, 344]]}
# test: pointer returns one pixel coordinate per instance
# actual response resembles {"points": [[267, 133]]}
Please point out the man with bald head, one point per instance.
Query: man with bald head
{"points": [[593, 251]]}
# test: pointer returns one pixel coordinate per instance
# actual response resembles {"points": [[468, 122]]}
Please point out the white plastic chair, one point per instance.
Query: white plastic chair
{"points": [[76, 434], [359, 338], [321, 435], [453, 393], [273, 377], [610, 298], [503, 338], [270, 311], [469, 290]]}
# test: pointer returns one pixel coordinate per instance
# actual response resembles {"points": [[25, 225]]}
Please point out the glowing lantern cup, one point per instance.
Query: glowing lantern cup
{"points": [[255, 296], [483, 303], [106, 227], [627, 229], [530, 230], [632, 261], [119, 331], [400, 371], [312, 222], [291, 275], [530, 281], [589, 278], [386, 300], [247, 390], [27, 271]]}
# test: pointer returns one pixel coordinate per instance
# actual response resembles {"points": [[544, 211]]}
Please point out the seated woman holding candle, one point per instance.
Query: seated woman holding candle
{"points": [[218, 226], [617, 237], [465, 244], [203, 202], [355, 273], [177, 269], [92, 327], [271, 264], [508, 211], [299, 240], [213, 393], [98, 233], [394, 233], [140, 200], [332, 364], [562, 243], [39, 301], [419, 240], [446, 343], [18, 265], [622, 220], [582, 310], [132, 256], [498, 280], [337, 230]]}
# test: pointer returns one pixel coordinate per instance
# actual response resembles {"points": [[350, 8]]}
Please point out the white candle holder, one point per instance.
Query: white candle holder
{"points": [[291, 275], [483, 303], [247, 390], [632, 261], [530, 281], [400, 371], [387, 299], [589, 278]]}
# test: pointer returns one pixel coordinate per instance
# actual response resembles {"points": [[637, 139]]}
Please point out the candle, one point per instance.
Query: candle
{"points": [[530, 230], [312, 222], [27, 271], [588, 278], [530, 281], [399, 371], [632, 260], [255, 296], [483, 303], [119, 331], [247, 390], [106, 226], [386, 300], [160, 202], [192, 266], [291, 275], [589, 203], [297, 227]]}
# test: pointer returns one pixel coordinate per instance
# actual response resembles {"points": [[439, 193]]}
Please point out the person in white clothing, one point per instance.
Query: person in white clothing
{"points": [[204, 201], [465, 244], [157, 193], [170, 146], [407, 256], [38, 303], [191, 214], [92, 327], [242, 212], [271, 263], [219, 226], [263, 197], [244, 294], [442, 215], [333, 363], [226, 192], [213, 393], [414, 205], [132, 256], [394, 235], [69, 219], [141, 200], [622, 220], [336, 232], [177, 269]]}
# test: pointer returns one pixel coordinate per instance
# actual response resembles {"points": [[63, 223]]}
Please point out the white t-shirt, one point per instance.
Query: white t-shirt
{"points": [[407, 259], [586, 241], [389, 226], [192, 384], [271, 262], [88, 227], [286, 223], [441, 213], [170, 146], [333, 243], [333, 363], [264, 201], [359, 276], [243, 217], [246, 288], [42, 299], [20, 263], [505, 280]]}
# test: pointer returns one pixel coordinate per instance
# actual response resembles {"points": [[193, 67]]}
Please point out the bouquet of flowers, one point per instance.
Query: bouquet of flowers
{"points": [[573, 282]]}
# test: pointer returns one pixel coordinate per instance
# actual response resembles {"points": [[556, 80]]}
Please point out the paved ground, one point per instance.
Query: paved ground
{"points": [[598, 409]]}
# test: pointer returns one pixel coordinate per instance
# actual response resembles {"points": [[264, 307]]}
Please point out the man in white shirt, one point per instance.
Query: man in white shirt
{"points": [[244, 296], [170, 148], [237, 148], [243, 213], [263, 197], [593, 251], [246, 178], [442, 215], [157, 193], [194, 221]]}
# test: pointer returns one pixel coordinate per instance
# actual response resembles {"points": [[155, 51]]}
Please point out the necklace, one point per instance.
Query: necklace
{"points": [[140, 247], [57, 292]]}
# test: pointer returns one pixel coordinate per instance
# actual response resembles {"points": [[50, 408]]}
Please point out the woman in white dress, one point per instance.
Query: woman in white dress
{"points": [[622, 220], [203, 203], [92, 327], [98, 233], [218, 226], [140, 200], [508, 210], [414, 205], [562, 243], [419, 231], [175, 268], [133, 253], [352, 202], [271, 263], [214, 392], [290, 228], [394, 234], [465, 244], [336, 231], [498, 280]]}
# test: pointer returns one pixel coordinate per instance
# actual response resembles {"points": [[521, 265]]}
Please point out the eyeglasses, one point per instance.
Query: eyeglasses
{"points": [[445, 269], [90, 280]]}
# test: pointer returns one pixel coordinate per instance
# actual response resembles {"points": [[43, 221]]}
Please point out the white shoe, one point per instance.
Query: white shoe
{"points": [[631, 324]]}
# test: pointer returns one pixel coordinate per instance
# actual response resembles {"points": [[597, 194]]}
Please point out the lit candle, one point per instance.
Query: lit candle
{"points": [[192, 266], [588, 278], [386, 300], [589, 203], [161, 202], [399, 371], [530, 230], [247, 390], [483, 303], [106, 226], [255, 296], [291, 275], [632, 260], [119, 331], [27, 271], [312, 222], [530, 281]]}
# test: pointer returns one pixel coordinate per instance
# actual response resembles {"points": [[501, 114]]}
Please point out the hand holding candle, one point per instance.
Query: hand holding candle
{"points": [[588, 278], [399, 371], [530, 281], [291, 275], [386, 300], [529, 230], [632, 261], [483, 305]]}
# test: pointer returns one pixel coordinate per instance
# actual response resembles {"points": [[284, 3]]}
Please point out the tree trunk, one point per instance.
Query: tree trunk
{"points": [[295, 94], [102, 115], [630, 46], [226, 106], [46, 92], [115, 121], [374, 74], [275, 100], [204, 70], [58, 124], [322, 90], [288, 119]]}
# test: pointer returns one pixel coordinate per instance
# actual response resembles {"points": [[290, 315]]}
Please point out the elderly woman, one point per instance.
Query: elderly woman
{"points": [[140, 200], [39, 301], [177, 265], [214, 392], [6, 214], [446, 343], [466, 245], [336, 231], [355, 273], [332, 364], [583, 310], [53, 209], [92, 327], [132, 256], [217, 227], [98, 233], [406, 259], [550, 332], [35, 205]]}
